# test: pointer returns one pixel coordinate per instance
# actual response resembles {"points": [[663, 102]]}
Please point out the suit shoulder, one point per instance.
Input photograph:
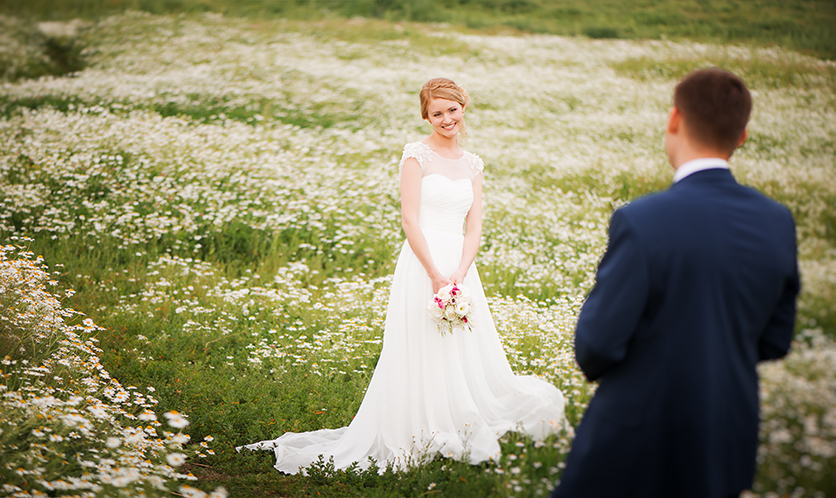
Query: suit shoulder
{"points": [[768, 202], [647, 205]]}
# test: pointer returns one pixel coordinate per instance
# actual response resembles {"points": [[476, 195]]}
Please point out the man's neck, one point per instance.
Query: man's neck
{"points": [[688, 154], [700, 164]]}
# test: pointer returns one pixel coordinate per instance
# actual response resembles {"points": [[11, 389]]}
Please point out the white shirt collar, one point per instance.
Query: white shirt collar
{"points": [[696, 165]]}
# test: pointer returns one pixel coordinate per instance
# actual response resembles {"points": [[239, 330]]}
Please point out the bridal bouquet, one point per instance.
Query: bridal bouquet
{"points": [[450, 308]]}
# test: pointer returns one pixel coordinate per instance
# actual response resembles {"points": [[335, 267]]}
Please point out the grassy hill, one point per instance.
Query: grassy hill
{"points": [[802, 25]]}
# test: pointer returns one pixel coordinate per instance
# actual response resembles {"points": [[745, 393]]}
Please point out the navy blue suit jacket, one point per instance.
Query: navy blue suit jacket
{"points": [[697, 285]]}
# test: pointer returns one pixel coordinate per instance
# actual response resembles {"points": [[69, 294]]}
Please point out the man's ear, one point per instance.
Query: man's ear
{"points": [[674, 121], [743, 138]]}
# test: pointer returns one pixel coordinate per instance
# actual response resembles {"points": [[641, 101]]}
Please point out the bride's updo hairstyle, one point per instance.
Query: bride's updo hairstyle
{"points": [[442, 88]]}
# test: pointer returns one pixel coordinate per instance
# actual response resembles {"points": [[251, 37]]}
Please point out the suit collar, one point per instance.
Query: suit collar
{"points": [[713, 175], [697, 165]]}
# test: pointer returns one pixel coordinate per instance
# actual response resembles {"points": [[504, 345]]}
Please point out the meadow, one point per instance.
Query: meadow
{"points": [[802, 25], [200, 219]]}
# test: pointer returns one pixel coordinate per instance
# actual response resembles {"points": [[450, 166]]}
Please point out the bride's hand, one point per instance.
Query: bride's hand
{"points": [[439, 281], [458, 277]]}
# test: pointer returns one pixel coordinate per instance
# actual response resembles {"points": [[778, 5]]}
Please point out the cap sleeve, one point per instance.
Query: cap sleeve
{"points": [[476, 163], [417, 150]]}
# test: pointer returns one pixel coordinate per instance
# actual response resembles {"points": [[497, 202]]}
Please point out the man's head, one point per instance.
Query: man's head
{"points": [[711, 109]]}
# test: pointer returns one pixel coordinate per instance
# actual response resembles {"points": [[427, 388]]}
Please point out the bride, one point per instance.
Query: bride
{"points": [[452, 394]]}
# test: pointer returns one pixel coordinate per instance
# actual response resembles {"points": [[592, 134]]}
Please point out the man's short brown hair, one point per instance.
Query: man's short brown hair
{"points": [[715, 105]]}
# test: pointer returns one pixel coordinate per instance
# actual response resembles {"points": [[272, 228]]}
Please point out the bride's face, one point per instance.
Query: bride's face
{"points": [[446, 117]]}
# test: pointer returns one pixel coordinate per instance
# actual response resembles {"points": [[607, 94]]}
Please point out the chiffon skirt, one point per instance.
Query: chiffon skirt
{"points": [[431, 394]]}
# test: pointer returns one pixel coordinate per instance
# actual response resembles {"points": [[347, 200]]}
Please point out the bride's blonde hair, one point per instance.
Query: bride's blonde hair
{"points": [[443, 88]]}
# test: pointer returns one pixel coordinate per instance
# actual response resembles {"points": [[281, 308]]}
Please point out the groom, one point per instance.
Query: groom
{"points": [[698, 284]]}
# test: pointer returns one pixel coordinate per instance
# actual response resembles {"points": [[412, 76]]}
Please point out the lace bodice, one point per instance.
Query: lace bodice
{"points": [[467, 166], [446, 187]]}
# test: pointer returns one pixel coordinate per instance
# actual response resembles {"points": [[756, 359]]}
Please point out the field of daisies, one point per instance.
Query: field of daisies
{"points": [[199, 223]]}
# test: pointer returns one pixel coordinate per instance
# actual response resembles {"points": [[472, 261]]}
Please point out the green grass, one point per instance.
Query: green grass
{"points": [[759, 71], [237, 403], [802, 25], [253, 475]]}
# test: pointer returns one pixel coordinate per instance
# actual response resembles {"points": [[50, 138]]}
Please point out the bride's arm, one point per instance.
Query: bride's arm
{"points": [[411, 174], [472, 232]]}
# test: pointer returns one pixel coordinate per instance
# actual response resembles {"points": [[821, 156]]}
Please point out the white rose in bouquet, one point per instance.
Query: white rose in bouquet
{"points": [[435, 310], [462, 308], [444, 293]]}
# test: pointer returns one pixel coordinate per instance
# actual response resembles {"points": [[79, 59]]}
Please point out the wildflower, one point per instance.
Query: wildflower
{"points": [[176, 420], [147, 415], [181, 438], [218, 493], [98, 411], [175, 459]]}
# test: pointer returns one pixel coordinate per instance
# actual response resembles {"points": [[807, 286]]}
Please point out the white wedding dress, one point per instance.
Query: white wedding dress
{"points": [[452, 394]]}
